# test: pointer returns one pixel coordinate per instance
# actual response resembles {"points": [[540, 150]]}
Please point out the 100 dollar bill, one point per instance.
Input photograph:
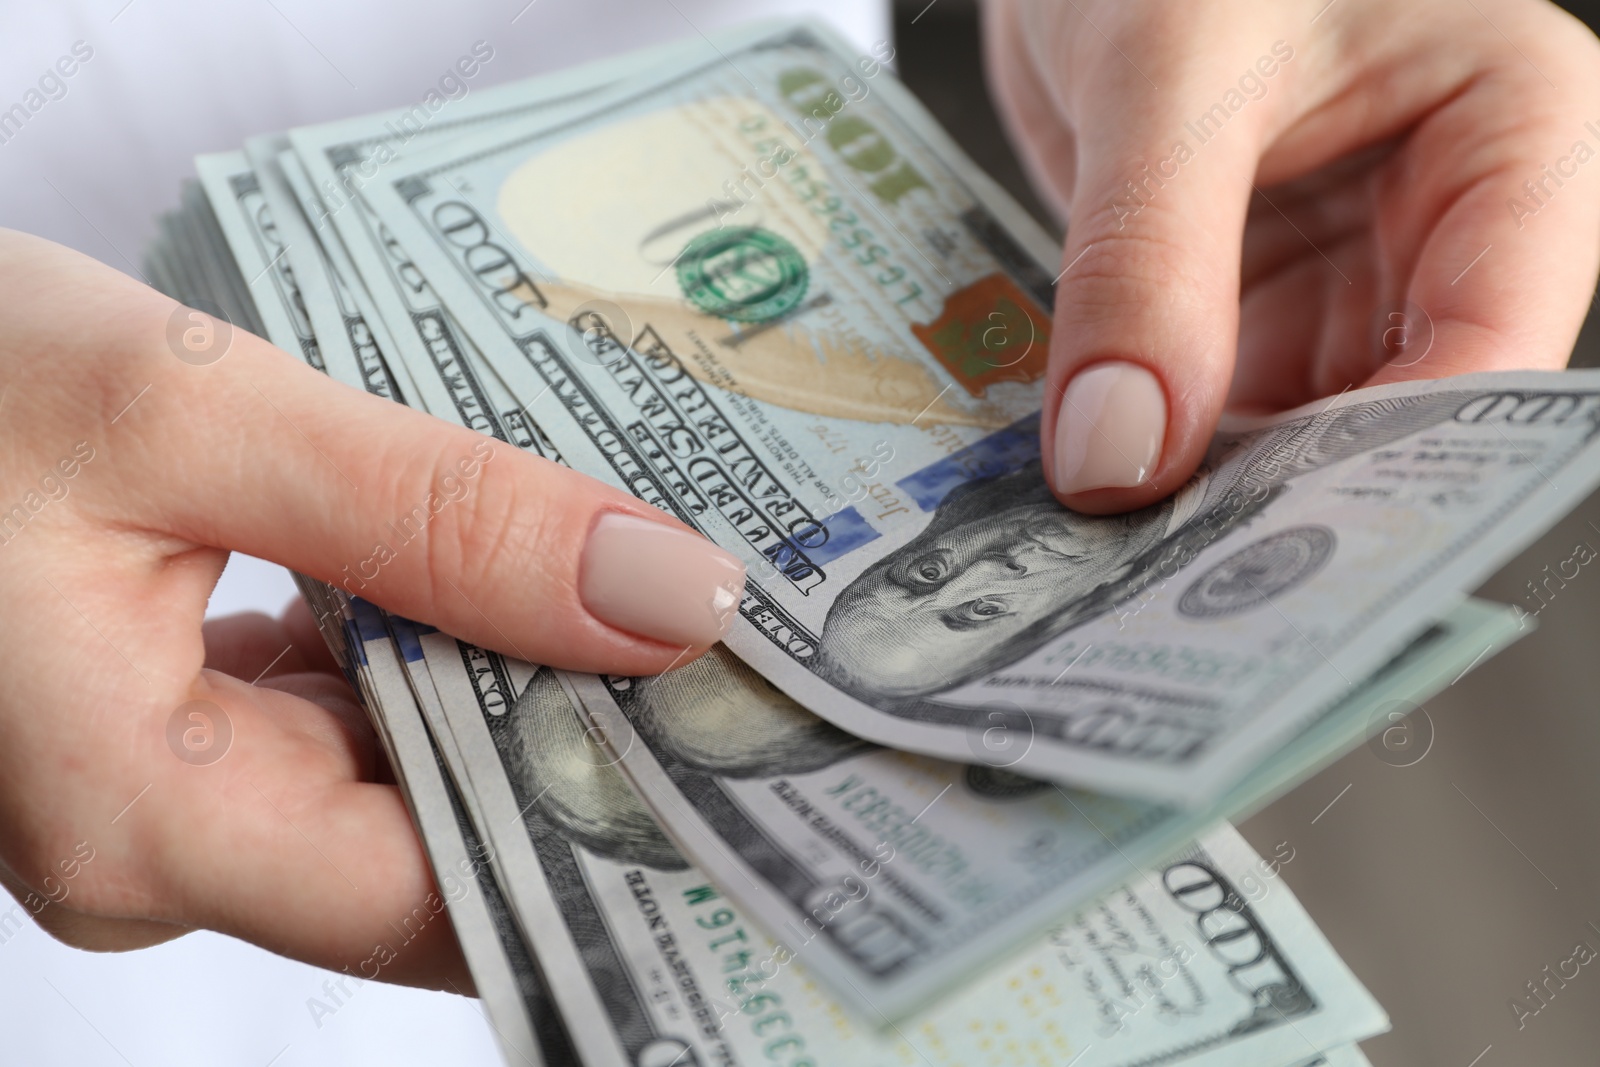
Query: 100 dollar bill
{"points": [[816, 333], [1201, 961], [780, 808]]}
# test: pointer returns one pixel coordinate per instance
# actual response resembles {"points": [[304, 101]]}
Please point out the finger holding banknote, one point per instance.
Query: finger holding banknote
{"points": [[144, 794], [1270, 206]]}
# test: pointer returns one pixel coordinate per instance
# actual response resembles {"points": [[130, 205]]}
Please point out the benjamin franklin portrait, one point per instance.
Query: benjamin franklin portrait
{"points": [[1002, 567]]}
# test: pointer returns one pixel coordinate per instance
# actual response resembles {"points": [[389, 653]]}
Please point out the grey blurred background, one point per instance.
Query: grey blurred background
{"points": [[1449, 884]]}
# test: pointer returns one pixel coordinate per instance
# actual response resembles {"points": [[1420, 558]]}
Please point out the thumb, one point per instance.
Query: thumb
{"points": [[1147, 307], [428, 519]]}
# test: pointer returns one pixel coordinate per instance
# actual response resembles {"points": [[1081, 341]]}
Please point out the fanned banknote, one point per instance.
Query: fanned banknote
{"points": [[337, 161], [1202, 960], [817, 333], [779, 806]]}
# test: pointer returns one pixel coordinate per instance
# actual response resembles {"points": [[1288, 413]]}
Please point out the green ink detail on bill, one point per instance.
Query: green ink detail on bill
{"points": [[746, 274]]}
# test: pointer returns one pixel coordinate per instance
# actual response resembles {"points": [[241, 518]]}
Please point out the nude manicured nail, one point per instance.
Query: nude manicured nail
{"points": [[658, 581], [1110, 429]]}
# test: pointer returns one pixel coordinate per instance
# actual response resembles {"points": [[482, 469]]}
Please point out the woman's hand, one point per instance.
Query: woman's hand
{"points": [[127, 475], [1270, 203]]}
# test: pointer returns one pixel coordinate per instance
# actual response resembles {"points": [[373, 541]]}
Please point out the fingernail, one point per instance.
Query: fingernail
{"points": [[658, 581], [1110, 429]]}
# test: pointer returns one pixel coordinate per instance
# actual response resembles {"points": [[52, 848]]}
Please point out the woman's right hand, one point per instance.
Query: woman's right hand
{"points": [[129, 473]]}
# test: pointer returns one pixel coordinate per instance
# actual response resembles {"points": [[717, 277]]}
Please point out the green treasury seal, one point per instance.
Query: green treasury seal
{"points": [[746, 274]]}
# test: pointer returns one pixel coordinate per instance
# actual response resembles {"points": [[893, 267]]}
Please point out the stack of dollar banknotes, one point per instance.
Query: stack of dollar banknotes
{"points": [[954, 789]]}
